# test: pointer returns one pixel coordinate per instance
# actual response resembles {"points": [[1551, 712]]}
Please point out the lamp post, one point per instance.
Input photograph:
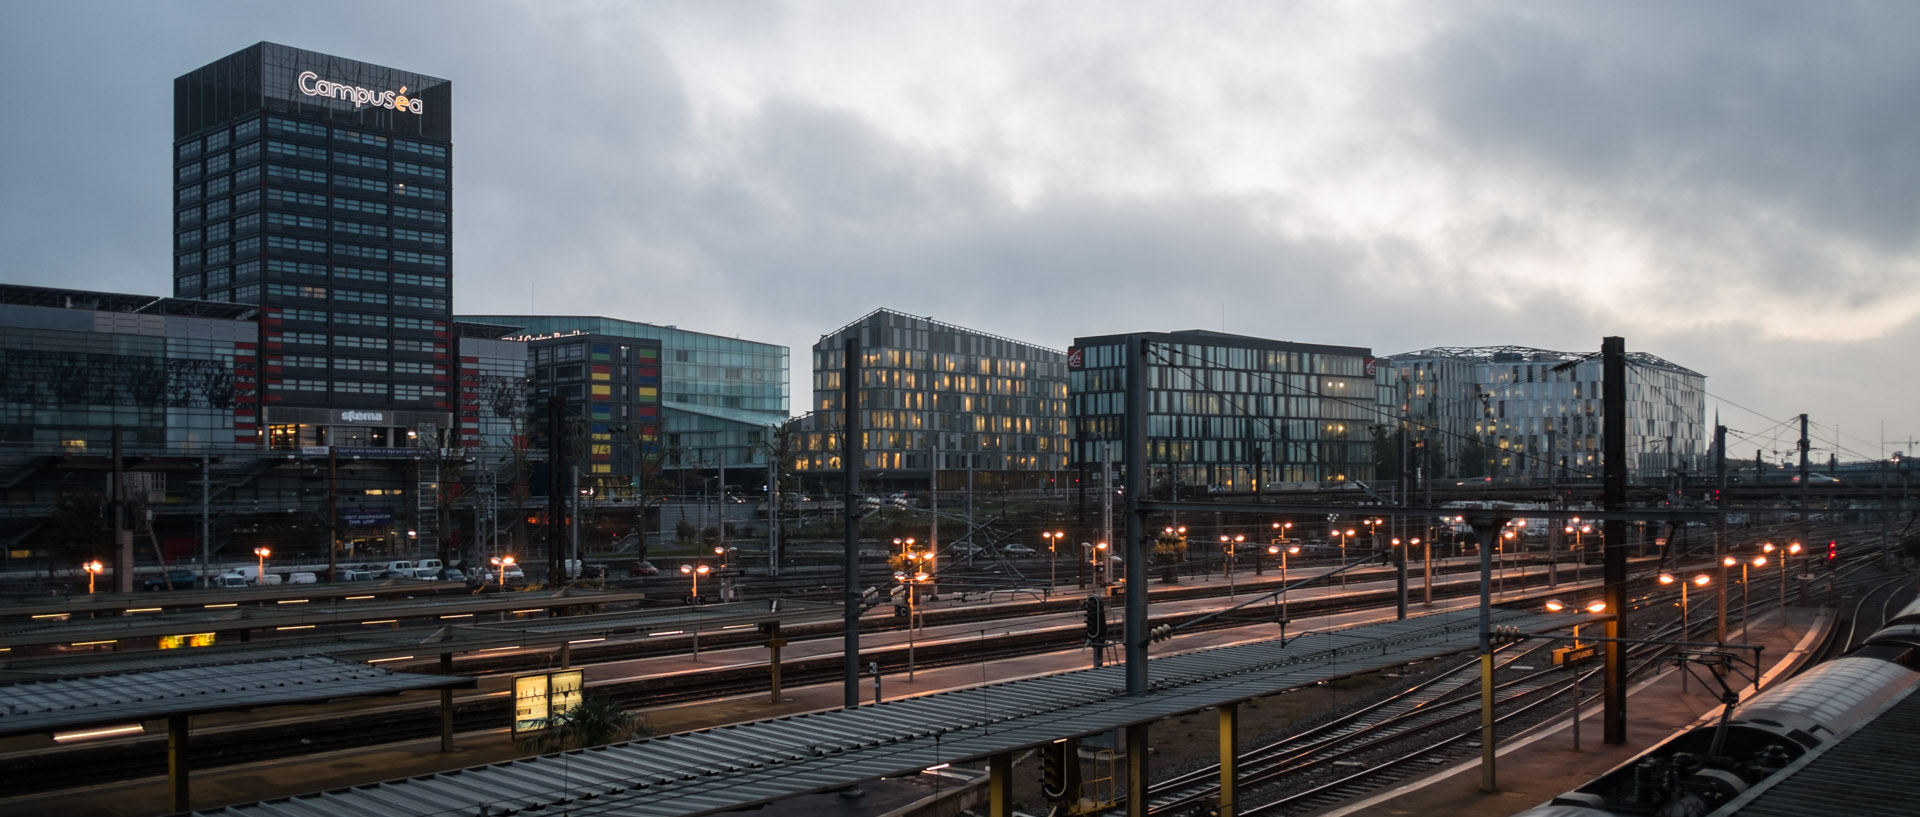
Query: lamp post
{"points": [[260, 574], [1283, 552], [1595, 607], [1746, 610], [1280, 530], [1373, 532], [1102, 566], [93, 570], [1412, 543], [912, 577], [1500, 551], [696, 571], [1580, 554], [1229, 552], [1792, 550], [1344, 535], [1686, 629], [1053, 546], [500, 565]]}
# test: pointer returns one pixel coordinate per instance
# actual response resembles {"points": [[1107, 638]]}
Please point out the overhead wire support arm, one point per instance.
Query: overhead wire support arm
{"points": [[1165, 631]]}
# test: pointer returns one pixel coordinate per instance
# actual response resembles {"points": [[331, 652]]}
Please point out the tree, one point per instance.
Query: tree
{"points": [[1169, 550], [595, 721]]}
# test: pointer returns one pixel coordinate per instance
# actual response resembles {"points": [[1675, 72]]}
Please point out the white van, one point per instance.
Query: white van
{"points": [[302, 578], [230, 580], [399, 569], [428, 564]]}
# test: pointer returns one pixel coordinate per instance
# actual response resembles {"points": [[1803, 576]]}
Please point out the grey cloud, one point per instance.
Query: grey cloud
{"points": [[1718, 107]]}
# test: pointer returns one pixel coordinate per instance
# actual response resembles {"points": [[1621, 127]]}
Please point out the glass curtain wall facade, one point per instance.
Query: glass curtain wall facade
{"points": [[934, 395], [1225, 410], [720, 397], [1514, 412], [320, 189], [611, 386], [177, 376]]}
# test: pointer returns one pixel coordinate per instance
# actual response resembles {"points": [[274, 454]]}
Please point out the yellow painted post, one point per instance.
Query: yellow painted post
{"points": [[1229, 760], [1000, 784], [1487, 745]]}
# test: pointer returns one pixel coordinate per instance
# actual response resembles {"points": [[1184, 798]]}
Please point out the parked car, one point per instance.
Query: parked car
{"points": [[355, 575], [230, 580], [514, 574], [1018, 550], [302, 578], [172, 580], [642, 567]]}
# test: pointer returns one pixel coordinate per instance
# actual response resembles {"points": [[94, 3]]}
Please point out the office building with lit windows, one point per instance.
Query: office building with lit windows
{"points": [[720, 398], [939, 401], [1525, 413], [1227, 411], [610, 387], [319, 189]]}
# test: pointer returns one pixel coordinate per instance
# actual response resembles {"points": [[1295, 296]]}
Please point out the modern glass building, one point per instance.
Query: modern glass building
{"points": [[611, 388], [177, 375], [319, 189], [940, 398], [720, 397], [1227, 410], [1514, 411]]}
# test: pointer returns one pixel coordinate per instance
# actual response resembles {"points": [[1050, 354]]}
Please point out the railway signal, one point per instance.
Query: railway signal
{"points": [[1096, 608]]}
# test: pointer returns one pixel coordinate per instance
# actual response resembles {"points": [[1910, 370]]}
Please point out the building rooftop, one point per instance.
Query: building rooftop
{"points": [[55, 298], [1528, 354]]}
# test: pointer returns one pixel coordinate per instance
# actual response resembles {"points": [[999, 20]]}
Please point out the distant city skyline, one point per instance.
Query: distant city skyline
{"points": [[1726, 185]]}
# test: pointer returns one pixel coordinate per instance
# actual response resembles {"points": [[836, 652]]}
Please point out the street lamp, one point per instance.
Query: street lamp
{"points": [[500, 565], [93, 570], [1229, 553], [1686, 629], [1280, 531], [1580, 554], [1344, 535], [1745, 609], [260, 577], [1053, 550], [1283, 553], [696, 571], [1428, 549], [1792, 550], [1102, 566]]}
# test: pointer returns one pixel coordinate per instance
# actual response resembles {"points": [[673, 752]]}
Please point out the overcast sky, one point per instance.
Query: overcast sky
{"points": [[1733, 186]]}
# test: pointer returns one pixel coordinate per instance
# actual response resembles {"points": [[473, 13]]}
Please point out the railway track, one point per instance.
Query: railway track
{"points": [[70, 767], [1436, 722]]}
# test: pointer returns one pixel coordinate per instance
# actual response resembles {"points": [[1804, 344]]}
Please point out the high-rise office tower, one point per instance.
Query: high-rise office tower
{"points": [[320, 189]]}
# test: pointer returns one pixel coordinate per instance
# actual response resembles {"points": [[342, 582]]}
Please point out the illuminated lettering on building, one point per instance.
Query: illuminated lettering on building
{"points": [[312, 85], [363, 417]]}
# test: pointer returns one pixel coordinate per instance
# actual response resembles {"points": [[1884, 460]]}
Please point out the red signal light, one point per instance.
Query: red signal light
{"points": [[1833, 551]]}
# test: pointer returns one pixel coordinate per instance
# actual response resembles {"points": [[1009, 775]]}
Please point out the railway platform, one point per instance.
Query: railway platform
{"points": [[1534, 769], [1530, 771]]}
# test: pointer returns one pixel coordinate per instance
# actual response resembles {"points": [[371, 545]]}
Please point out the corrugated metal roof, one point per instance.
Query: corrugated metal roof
{"points": [[529, 633], [286, 612], [1867, 772], [739, 766], [71, 703]]}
